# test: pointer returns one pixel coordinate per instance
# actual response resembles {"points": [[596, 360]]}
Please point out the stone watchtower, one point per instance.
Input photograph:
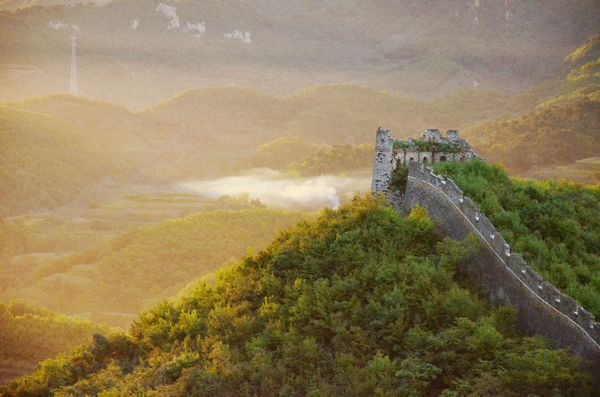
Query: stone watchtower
{"points": [[382, 167]]}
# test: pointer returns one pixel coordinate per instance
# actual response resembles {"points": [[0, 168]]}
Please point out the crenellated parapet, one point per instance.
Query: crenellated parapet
{"points": [[502, 273], [432, 148]]}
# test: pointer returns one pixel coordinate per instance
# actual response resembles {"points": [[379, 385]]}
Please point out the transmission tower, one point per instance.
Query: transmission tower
{"points": [[73, 90]]}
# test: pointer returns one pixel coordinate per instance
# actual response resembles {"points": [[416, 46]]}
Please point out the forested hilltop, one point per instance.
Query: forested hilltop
{"points": [[361, 301]]}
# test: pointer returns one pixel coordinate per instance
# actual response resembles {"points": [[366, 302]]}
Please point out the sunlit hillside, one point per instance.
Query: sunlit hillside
{"points": [[549, 136], [45, 163], [360, 302], [196, 174], [562, 129], [114, 280], [334, 114], [193, 135]]}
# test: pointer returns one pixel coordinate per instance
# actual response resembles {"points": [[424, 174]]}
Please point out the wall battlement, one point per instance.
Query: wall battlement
{"points": [[503, 274]]}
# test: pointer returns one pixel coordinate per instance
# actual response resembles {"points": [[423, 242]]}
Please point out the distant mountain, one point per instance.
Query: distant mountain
{"points": [[138, 52], [205, 132], [16, 4], [334, 114]]}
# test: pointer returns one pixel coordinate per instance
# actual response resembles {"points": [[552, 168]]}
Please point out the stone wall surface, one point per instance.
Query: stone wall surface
{"points": [[506, 278]]}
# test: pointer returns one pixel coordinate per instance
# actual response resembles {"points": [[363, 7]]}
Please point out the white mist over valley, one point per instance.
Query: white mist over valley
{"points": [[273, 189]]}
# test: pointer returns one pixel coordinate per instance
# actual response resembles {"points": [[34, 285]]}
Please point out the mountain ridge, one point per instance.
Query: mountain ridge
{"points": [[420, 49]]}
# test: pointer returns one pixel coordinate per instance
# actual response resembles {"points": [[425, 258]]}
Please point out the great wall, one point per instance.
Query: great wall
{"points": [[497, 271]]}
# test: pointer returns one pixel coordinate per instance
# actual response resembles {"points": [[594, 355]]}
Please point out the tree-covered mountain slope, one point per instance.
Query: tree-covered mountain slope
{"points": [[30, 334], [359, 302], [554, 226], [551, 135], [45, 163], [560, 130]]}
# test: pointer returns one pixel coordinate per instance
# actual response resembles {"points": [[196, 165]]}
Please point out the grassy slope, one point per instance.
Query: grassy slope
{"points": [[146, 265], [30, 334], [359, 302], [583, 171]]}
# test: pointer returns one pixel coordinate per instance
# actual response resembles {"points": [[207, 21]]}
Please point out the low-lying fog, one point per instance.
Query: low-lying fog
{"points": [[275, 190]]}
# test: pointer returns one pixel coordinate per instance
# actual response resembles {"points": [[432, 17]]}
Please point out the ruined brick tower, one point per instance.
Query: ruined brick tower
{"points": [[382, 167]]}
